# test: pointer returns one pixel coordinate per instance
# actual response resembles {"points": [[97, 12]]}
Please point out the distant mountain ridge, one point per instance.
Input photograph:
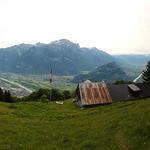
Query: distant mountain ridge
{"points": [[108, 72], [133, 59], [63, 56]]}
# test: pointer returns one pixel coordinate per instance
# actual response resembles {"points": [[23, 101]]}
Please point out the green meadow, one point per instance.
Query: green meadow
{"points": [[42, 126]]}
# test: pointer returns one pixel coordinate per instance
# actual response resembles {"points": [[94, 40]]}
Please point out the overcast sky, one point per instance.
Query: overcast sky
{"points": [[115, 26]]}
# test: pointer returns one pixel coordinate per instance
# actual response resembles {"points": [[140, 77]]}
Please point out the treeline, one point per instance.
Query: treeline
{"points": [[5, 96], [121, 82], [46, 95], [41, 95]]}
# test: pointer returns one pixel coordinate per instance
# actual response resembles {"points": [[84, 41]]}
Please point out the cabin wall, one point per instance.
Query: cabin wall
{"points": [[78, 97], [78, 102]]}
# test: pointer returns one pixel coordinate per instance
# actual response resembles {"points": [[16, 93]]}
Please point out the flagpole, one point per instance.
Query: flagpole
{"points": [[50, 81], [50, 93]]}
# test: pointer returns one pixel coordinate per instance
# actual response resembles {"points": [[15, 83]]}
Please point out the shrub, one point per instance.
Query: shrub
{"points": [[56, 95], [121, 82], [67, 94], [44, 94], [44, 99]]}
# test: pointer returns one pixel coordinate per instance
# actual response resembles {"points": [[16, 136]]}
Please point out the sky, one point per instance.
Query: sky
{"points": [[115, 26]]}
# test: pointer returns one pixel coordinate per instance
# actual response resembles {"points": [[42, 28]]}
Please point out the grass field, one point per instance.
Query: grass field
{"points": [[41, 126]]}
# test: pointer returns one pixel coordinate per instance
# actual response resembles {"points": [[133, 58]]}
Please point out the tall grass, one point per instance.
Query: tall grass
{"points": [[40, 126]]}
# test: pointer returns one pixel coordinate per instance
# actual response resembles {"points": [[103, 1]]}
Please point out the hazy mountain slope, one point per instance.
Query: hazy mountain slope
{"points": [[109, 73], [9, 56], [63, 56], [138, 60]]}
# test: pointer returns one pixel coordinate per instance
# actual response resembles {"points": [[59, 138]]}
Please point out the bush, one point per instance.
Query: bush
{"points": [[67, 94], [44, 99], [16, 99], [121, 82], [35, 96], [44, 95], [56, 95]]}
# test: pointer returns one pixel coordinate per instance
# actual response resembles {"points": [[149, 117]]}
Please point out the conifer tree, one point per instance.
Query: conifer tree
{"points": [[8, 97], [146, 74], [1, 95]]}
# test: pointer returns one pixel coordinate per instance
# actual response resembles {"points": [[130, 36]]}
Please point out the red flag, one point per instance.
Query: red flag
{"points": [[50, 80]]}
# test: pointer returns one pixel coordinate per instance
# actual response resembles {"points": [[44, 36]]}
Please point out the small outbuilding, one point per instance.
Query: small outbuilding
{"points": [[91, 94]]}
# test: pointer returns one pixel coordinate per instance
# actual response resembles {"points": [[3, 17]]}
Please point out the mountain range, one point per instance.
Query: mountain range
{"points": [[63, 56], [133, 59]]}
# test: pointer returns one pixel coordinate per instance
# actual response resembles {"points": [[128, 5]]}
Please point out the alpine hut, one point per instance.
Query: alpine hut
{"points": [[91, 94]]}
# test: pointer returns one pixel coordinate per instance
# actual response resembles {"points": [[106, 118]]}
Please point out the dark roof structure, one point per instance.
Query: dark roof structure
{"points": [[124, 92], [89, 93]]}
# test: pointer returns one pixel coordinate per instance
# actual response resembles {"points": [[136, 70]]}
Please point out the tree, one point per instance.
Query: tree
{"points": [[57, 95], [121, 82], [1, 95], [8, 97], [44, 99], [67, 94], [146, 73]]}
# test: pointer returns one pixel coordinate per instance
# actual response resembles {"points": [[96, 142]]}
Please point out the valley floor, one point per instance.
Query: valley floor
{"points": [[34, 82], [41, 126]]}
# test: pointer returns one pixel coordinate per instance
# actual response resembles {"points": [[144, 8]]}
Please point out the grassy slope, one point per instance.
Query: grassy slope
{"points": [[39, 126]]}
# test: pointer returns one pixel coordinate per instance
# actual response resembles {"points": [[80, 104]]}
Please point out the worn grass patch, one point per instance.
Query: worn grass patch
{"points": [[40, 126]]}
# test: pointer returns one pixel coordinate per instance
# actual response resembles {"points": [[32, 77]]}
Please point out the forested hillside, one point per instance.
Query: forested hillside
{"points": [[109, 73]]}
